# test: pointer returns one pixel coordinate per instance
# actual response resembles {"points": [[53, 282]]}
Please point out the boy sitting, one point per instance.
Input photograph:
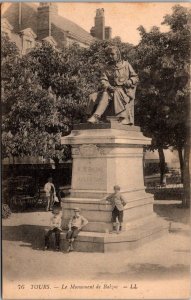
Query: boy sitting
{"points": [[76, 223], [118, 202], [55, 226]]}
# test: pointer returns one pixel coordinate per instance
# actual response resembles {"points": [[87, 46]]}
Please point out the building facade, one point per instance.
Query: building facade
{"points": [[27, 24]]}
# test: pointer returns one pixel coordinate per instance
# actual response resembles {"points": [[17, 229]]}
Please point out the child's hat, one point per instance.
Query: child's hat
{"points": [[116, 187], [76, 209]]}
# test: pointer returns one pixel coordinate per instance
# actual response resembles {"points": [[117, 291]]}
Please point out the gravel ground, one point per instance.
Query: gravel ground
{"points": [[162, 260]]}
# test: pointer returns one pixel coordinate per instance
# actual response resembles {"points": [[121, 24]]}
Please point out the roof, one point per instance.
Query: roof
{"points": [[72, 28], [29, 16], [29, 20], [6, 24]]}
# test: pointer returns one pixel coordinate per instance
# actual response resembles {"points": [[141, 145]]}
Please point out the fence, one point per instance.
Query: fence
{"points": [[171, 189]]}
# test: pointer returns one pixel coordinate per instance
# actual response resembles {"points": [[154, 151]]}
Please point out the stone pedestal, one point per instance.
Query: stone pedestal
{"points": [[105, 155]]}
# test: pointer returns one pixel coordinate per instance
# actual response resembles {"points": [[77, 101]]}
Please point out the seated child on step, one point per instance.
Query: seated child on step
{"points": [[76, 223], [55, 227]]}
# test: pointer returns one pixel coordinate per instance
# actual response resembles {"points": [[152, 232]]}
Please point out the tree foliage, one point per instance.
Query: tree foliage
{"points": [[162, 61], [45, 92], [163, 90], [29, 112]]}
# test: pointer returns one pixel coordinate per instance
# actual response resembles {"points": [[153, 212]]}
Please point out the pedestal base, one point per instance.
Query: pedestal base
{"points": [[105, 155], [140, 224], [126, 240], [139, 206]]}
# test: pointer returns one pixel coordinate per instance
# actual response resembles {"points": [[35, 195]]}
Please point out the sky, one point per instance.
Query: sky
{"points": [[123, 18]]}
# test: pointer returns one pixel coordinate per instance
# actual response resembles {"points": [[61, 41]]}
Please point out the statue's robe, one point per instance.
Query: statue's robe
{"points": [[123, 97]]}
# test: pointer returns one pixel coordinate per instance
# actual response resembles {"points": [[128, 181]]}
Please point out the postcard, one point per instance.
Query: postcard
{"points": [[95, 150]]}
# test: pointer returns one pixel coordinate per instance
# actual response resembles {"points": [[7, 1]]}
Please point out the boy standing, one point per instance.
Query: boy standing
{"points": [[76, 223], [55, 227], [118, 202]]}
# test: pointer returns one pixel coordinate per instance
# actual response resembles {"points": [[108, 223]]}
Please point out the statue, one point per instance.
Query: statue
{"points": [[118, 84]]}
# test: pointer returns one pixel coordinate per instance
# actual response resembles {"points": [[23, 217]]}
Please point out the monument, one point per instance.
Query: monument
{"points": [[107, 154]]}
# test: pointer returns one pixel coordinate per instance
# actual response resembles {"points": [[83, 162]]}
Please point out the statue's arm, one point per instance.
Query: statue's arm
{"points": [[133, 77], [105, 82]]}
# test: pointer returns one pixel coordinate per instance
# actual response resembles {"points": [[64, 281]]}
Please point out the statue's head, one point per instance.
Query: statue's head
{"points": [[113, 54]]}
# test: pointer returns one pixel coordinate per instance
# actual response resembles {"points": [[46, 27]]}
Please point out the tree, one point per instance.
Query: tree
{"points": [[29, 117], [152, 110], [9, 54], [162, 60], [46, 95], [8, 49], [29, 112], [179, 36]]}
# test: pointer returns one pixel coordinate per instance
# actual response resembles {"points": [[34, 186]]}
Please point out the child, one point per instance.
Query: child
{"points": [[76, 223], [118, 202], [55, 226], [50, 191]]}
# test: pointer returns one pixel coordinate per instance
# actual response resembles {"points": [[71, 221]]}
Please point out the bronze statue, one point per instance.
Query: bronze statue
{"points": [[118, 84]]}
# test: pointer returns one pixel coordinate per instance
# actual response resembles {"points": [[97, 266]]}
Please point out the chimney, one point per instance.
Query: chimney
{"points": [[99, 24], [108, 33], [92, 31], [46, 12]]}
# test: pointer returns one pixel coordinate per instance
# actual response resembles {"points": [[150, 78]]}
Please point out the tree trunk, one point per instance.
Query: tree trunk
{"points": [[181, 160], [162, 164], [186, 174]]}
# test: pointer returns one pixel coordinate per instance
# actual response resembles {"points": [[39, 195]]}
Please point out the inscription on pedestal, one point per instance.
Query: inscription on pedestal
{"points": [[90, 174], [89, 150]]}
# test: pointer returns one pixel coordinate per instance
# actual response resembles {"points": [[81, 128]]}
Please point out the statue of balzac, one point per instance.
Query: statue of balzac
{"points": [[118, 84]]}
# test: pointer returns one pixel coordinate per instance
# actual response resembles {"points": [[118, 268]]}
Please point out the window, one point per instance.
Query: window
{"points": [[29, 44]]}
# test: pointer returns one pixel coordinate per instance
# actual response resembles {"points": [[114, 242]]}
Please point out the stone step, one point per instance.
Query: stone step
{"points": [[98, 205], [130, 196], [106, 242], [103, 218], [103, 210], [100, 224], [90, 195]]}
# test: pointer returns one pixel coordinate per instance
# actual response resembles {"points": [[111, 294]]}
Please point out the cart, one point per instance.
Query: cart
{"points": [[23, 193]]}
